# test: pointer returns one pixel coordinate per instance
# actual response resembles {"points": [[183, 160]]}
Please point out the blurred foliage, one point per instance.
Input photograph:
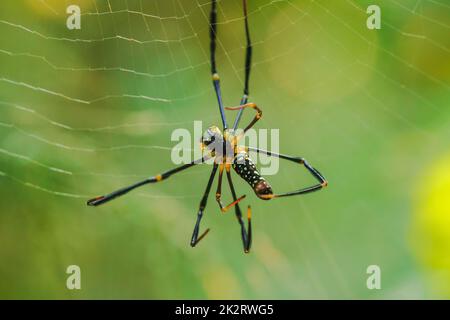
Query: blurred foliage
{"points": [[369, 108]]}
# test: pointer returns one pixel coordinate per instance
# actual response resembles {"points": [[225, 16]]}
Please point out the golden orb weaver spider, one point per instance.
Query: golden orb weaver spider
{"points": [[238, 158]]}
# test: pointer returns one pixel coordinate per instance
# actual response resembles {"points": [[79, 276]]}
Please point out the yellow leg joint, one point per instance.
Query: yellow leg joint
{"points": [[266, 196]]}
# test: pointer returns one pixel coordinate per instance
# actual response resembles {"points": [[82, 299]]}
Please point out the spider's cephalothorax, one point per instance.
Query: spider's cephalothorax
{"points": [[218, 145], [223, 148], [211, 142]]}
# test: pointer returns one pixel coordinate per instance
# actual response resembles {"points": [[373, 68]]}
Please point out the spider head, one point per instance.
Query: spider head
{"points": [[210, 137]]}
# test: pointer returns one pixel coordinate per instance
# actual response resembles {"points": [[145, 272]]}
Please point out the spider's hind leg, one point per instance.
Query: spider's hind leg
{"points": [[322, 182], [195, 234], [246, 235], [219, 194]]}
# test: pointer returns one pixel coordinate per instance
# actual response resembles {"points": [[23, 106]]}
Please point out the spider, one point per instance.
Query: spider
{"points": [[222, 147]]}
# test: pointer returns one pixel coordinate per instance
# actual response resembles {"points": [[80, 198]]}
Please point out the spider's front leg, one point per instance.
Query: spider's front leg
{"points": [[160, 177], [255, 119]]}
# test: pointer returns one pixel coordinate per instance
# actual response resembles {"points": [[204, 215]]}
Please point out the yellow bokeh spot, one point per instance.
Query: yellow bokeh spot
{"points": [[431, 226]]}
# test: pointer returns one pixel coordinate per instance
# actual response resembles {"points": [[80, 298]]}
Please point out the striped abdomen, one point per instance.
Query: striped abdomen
{"points": [[246, 169]]}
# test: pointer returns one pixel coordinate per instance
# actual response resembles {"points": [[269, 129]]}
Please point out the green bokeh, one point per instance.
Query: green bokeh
{"points": [[369, 108]]}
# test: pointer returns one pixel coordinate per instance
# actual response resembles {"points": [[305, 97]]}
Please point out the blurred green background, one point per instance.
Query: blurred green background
{"points": [[83, 112]]}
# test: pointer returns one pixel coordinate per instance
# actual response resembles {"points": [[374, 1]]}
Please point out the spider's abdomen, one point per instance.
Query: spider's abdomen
{"points": [[246, 169]]}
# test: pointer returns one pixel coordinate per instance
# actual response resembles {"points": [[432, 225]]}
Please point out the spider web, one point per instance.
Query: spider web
{"points": [[85, 110]]}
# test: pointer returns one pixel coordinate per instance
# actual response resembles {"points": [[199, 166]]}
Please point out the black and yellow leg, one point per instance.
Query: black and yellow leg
{"points": [[248, 65], [106, 198], [212, 47], [245, 235], [249, 230], [314, 172], [219, 193], [195, 237], [249, 105]]}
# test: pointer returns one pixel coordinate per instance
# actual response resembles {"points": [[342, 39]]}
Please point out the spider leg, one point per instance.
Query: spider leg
{"points": [[106, 198], [314, 172], [245, 234], [219, 193], [212, 46], [248, 64], [195, 237], [255, 119]]}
